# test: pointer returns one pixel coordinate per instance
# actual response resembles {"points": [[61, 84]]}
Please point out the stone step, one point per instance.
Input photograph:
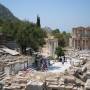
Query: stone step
{"points": [[2, 76]]}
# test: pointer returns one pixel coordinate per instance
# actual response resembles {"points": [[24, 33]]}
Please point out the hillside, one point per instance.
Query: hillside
{"points": [[6, 14]]}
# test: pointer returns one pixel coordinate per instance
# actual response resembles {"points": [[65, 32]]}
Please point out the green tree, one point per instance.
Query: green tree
{"points": [[63, 37], [38, 22], [66, 37], [25, 33], [59, 51], [22, 38], [57, 34], [9, 29], [29, 35]]}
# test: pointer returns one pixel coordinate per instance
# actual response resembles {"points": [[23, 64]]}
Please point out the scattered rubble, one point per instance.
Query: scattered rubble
{"points": [[74, 77]]}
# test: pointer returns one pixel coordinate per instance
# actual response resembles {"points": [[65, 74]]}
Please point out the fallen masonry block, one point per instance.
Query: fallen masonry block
{"points": [[62, 87], [12, 87], [68, 87], [75, 88], [87, 85], [54, 87], [88, 74], [69, 79], [84, 69], [35, 85]]}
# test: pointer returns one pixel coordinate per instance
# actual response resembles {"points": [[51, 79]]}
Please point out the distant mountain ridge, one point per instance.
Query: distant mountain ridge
{"points": [[6, 14]]}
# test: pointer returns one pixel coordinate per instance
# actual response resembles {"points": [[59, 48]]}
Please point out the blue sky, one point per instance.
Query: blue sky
{"points": [[62, 14]]}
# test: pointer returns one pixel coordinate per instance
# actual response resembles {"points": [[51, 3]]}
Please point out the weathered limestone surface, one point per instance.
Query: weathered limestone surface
{"points": [[87, 85]]}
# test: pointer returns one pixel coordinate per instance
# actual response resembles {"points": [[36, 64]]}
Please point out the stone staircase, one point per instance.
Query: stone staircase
{"points": [[2, 75]]}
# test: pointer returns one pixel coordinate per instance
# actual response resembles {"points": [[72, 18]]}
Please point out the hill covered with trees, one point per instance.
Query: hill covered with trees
{"points": [[6, 14], [25, 33]]}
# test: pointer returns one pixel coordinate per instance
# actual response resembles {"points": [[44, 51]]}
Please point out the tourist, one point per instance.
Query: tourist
{"points": [[63, 60], [60, 59]]}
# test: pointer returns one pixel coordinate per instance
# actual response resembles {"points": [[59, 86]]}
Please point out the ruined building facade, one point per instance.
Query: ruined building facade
{"points": [[50, 47], [80, 38]]}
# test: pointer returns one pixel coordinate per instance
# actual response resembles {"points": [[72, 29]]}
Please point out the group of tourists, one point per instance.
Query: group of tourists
{"points": [[62, 59], [42, 63], [45, 63]]}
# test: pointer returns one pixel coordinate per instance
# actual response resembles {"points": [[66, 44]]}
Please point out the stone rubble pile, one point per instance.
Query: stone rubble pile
{"points": [[77, 77]]}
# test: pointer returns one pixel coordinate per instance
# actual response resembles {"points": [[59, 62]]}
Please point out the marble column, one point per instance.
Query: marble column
{"points": [[74, 43], [85, 44]]}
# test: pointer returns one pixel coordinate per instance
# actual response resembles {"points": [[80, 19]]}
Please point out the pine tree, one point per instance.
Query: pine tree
{"points": [[38, 21]]}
